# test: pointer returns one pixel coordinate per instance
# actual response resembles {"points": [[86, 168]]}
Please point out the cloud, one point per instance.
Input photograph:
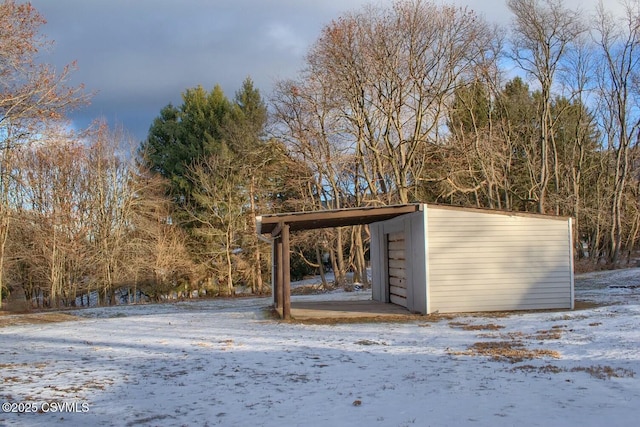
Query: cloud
{"points": [[284, 38], [140, 55]]}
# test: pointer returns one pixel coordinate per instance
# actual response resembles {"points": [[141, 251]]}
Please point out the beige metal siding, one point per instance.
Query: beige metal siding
{"points": [[397, 268], [481, 261]]}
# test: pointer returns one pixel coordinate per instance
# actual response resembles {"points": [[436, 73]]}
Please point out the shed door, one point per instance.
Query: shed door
{"points": [[397, 269]]}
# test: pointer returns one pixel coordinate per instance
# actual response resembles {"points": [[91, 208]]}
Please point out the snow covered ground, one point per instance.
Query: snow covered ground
{"points": [[224, 362]]}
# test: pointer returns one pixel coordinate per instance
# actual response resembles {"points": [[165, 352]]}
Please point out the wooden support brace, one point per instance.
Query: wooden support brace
{"points": [[276, 231]]}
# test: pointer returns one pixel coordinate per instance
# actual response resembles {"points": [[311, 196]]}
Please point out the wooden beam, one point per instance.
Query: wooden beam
{"points": [[332, 218], [286, 272]]}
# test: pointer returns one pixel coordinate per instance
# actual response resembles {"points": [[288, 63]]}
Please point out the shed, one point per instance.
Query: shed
{"points": [[434, 258], [448, 259]]}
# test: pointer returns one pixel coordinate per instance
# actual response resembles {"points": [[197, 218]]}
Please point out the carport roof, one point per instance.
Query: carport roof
{"points": [[267, 224]]}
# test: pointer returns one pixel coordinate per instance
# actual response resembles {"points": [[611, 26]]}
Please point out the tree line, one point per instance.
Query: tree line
{"points": [[420, 102], [416, 101]]}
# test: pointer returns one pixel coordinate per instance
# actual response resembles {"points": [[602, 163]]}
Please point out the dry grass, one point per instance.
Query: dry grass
{"points": [[370, 342], [546, 369], [311, 289], [548, 334], [506, 351], [35, 318], [555, 333], [353, 320], [510, 348], [605, 372], [40, 365], [467, 327], [596, 371]]}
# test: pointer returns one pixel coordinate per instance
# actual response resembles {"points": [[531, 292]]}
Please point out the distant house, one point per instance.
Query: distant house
{"points": [[433, 258]]}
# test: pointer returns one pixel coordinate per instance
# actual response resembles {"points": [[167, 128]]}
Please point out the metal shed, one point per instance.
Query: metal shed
{"points": [[435, 258], [448, 259]]}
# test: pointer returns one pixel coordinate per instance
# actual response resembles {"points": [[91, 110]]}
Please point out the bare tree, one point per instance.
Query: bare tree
{"points": [[311, 129], [579, 83], [157, 257], [393, 72], [54, 217], [366, 113], [543, 31], [218, 214], [619, 109], [111, 196], [31, 95]]}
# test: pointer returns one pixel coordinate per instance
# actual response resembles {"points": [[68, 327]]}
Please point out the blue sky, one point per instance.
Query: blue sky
{"points": [[137, 56]]}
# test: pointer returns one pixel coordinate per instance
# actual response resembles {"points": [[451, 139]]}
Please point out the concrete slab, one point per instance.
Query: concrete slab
{"points": [[347, 310]]}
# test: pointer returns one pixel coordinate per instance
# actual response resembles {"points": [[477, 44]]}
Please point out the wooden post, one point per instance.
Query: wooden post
{"points": [[275, 264], [280, 274], [286, 272]]}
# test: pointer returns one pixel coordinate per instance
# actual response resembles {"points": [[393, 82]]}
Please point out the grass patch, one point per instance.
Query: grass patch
{"points": [[554, 333], [370, 342], [35, 319], [566, 317], [353, 320], [315, 289], [597, 371], [548, 334], [585, 305], [605, 372], [467, 327], [545, 369], [506, 351]]}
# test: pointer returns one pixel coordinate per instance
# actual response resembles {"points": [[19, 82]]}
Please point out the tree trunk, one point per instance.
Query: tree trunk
{"points": [[229, 261], [257, 284], [340, 272], [4, 233], [360, 264], [320, 262]]}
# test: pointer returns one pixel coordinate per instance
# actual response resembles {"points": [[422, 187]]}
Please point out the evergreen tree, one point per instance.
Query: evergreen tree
{"points": [[181, 136], [223, 172]]}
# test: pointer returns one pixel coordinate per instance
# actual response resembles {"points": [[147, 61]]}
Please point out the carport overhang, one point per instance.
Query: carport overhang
{"points": [[279, 227]]}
